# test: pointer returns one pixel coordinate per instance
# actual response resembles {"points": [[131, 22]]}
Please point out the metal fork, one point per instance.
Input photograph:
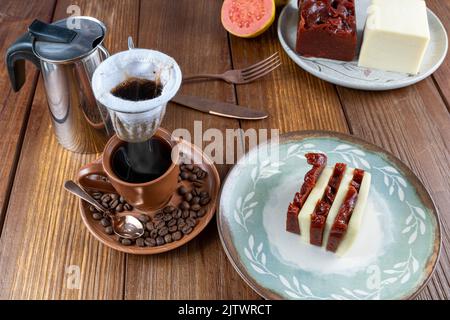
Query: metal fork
{"points": [[246, 75]]}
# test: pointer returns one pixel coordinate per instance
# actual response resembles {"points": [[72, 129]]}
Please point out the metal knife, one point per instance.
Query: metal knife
{"points": [[219, 108]]}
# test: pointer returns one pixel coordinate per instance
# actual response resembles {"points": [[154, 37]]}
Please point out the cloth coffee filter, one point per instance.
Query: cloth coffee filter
{"points": [[136, 121]]}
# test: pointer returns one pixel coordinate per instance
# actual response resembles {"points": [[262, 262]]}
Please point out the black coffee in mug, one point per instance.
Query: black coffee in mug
{"points": [[143, 161]]}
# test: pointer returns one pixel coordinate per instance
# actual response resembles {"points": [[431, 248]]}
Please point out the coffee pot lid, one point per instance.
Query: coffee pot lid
{"points": [[68, 39]]}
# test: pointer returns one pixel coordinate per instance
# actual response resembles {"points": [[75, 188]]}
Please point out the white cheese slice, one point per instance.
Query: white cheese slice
{"points": [[396, 36], [338, 200], [304, 217], [357, 216]]}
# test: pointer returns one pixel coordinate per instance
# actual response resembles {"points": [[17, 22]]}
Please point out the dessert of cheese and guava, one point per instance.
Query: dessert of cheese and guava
{"points": [[329, 208]]}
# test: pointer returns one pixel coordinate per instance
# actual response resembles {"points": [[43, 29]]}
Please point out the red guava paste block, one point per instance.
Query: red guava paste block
{"points": [[327, 29]]}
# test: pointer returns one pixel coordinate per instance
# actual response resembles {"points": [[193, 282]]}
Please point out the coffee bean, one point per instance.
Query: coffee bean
{"points": [[114, 196], [128, 207], [105, 222], [121, 199], [195, 200], [181, 225], [105, 198], [186, 229], [189, 167], [188, 196], [192, 177], [205, 201], [140, 242], [168, 238], [182, 167], [197, 184], [185, 214], [159, 241], [167, 217], [150, 226], [177, 214], [180, 220], [149, 242], [143, 218], [172, 229], [93, 209], [177, 236], [154, 233], [160, 225], [204, 194], [195, 207], [201, 212], [109, 230], [159, 215], [195, 192], [146, 234], [196, 169], [168, 209], [204, 174], [191, 222], [97, 195], [184, 205], [126, 242], [105, 205], [171, 222], [113, 204], [182, 190], [184, 175], [163, 231], [97, 216], [192, 214], [119, 208]]}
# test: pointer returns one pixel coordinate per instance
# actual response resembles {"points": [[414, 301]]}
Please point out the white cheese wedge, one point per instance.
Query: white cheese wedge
{"points": [[304, 216], [396, 36], [357, 216], [338, 200]]}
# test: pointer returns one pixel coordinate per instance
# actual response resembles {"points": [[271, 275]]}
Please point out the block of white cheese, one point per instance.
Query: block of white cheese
{"points": [[357, 216], [304, 217], [396, 36]]}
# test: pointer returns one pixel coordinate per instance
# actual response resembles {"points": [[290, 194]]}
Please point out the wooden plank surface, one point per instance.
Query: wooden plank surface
{"points": [[442, 10], [15, 16], [190, 31], [43, 233], [294, 99]]}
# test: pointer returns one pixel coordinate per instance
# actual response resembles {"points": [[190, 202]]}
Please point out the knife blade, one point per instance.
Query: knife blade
{"points": [[219, 108]]}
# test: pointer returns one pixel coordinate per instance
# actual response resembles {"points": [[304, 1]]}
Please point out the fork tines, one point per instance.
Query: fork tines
{"points": [[261, 68]]}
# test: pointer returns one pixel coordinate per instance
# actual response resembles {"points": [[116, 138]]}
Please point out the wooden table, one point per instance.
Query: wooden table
{"points": [[42, 234]]}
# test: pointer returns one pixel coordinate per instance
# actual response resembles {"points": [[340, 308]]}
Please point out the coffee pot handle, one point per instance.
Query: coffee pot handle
{"points": [[16, 55]]}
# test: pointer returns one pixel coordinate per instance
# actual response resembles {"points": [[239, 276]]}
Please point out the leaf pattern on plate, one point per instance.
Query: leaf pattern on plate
{"points": [[352, 156], [393, 181], [415, 223]]}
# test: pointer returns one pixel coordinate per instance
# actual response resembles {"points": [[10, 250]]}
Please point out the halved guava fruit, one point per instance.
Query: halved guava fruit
{"points": [[247, 18]]}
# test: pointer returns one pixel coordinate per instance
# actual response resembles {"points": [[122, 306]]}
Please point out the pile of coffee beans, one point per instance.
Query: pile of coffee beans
{"points": [[169, 224], [112, 202], [192, 173]]}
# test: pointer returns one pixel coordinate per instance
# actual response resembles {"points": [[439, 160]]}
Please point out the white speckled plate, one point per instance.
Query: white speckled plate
{"points": [[393, 256], [348, 74]]}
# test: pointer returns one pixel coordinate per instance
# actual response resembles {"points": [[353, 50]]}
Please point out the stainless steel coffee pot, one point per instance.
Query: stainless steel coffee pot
{"points": [[67, 52]]}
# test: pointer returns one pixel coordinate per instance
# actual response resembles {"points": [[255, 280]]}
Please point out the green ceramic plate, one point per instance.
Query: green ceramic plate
{"points": [[397, 247]]}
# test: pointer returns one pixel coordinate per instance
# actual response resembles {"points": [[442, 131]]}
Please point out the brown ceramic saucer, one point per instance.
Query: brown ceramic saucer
{"points": [[212, 183]]}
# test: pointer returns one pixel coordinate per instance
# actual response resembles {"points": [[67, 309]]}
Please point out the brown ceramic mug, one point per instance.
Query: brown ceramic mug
{"points": [[149, 195]]}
